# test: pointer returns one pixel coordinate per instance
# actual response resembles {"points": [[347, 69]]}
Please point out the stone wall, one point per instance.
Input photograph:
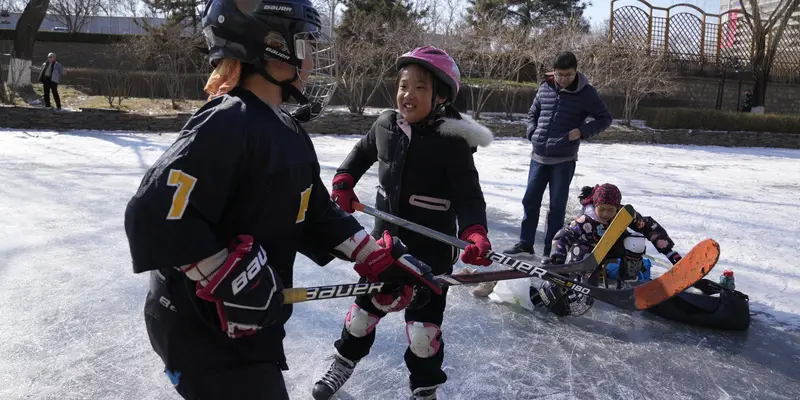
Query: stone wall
{"points": [[618, 134], [702, 93], [88, 119], [346, 124]]}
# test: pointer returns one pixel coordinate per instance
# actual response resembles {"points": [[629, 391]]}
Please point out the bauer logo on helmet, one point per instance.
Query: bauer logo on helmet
{"points": [[278, 8]]}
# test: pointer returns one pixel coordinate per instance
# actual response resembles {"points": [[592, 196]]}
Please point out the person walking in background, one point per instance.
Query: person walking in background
{"points": [[50, 76], [556, 127], [747, 104]]}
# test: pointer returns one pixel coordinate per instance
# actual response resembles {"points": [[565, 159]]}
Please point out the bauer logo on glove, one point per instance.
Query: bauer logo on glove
{"points": [[247, 291]]}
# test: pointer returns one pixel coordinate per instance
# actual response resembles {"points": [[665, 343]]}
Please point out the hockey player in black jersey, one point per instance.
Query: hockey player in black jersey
{"points": [[221, 215]]}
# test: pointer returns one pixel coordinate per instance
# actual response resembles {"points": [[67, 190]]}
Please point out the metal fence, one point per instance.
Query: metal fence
{"points": [[696, 41]]}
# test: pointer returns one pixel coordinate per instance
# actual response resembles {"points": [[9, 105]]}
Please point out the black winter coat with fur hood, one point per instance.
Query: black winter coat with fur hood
{"points": [[427, 176]]}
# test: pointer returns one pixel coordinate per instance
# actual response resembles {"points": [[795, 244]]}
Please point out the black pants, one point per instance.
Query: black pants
{"points": [[424, 371], [256, 382], [51, 86]]}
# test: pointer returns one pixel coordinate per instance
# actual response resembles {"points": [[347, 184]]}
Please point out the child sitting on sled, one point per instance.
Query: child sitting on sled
{"points": [[573, 242]]}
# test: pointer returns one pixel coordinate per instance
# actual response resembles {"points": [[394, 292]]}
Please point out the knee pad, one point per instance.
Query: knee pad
{"points": [[360, 323], [423, 338]]}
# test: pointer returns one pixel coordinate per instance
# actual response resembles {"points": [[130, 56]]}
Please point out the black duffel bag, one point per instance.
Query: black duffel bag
{"points": [[729, 311]]}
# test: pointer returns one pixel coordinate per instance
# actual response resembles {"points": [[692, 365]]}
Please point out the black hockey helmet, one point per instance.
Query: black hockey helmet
{"points": [[254, 31]]}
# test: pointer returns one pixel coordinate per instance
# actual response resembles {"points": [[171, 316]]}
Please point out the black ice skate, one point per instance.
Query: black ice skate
{"points": [[424, 393], [338, 373]]}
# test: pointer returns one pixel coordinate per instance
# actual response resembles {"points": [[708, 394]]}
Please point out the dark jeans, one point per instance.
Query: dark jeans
{"points": [[424, 371], [559, 177], [257, 382], [51, 86]]}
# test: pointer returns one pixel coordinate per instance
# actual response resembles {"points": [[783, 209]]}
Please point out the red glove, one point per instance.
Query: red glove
{"points": [[474, 254], [393, 298], [392, 263], [343, 193]]}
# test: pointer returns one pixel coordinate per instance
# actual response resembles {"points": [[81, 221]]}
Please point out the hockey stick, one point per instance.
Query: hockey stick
{"points": [[521, 269], [696, 264], [303, 294], [589, 263]]}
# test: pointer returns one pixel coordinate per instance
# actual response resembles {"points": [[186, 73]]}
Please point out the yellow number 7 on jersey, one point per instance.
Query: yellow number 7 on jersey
{"points": [[185, 183]]}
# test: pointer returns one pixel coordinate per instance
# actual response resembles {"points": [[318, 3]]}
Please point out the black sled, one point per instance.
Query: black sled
{"points": [[728, 311]]}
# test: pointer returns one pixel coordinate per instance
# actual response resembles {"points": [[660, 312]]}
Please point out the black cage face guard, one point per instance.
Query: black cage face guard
{"points": [[316, 72]]}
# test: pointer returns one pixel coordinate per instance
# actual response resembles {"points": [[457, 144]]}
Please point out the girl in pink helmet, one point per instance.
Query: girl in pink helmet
{"points": [[427, 175]]}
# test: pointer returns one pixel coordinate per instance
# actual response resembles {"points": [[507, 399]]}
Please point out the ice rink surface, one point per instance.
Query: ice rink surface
{"points": [[71, 324]]}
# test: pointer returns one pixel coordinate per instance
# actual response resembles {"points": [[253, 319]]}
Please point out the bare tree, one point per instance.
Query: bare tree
{"points": [[767, 36], [76, 14], [516, 49], [3, 95], [493, 53], [188, 13], [118, 77], [11, 5], [4, 19], [22, 54], [370, 59], [640, 75], [549, 42], [127, 8], [597, 62], [174, 54], [328, 9], [442, 22]]}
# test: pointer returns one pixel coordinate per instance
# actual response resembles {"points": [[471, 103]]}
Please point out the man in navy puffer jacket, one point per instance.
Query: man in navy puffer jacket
{"points": [[556, 126]]}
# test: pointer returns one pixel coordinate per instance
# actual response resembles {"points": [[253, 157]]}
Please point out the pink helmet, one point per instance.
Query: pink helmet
{"points": [[438, 62]]}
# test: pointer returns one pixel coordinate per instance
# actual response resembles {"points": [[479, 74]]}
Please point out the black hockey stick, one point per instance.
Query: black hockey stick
{"points": [[695, 265], [589, 263], [520, 269], [298, 295]]}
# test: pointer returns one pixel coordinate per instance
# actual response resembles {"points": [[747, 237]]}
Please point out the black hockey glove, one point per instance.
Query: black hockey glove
{"points": [[247, 291]]}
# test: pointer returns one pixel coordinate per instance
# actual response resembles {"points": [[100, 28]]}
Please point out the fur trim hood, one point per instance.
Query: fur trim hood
{"points": [[474, 133]]}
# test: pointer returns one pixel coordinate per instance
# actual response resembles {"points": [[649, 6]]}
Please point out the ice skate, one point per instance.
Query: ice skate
{"points": [[424, 393], [333, 380]]}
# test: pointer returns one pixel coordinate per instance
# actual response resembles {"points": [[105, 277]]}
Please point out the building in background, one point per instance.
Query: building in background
{"points": [[102, 24], [737, 38], [95, 24], [766, 7]]}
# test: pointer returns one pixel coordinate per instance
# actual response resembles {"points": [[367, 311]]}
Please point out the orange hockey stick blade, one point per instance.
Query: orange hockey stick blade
{"points": [[691, 268]]}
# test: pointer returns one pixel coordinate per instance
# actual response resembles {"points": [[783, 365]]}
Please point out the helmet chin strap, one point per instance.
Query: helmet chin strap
{"points": [[287, 88], [303, 113]]}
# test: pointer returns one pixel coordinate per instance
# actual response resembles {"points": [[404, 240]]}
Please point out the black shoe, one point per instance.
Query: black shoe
{"points": [[339, 372], [519, 249], [546, 252]]}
